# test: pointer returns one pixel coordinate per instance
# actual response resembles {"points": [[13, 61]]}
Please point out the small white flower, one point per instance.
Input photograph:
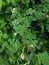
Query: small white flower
{"points": [[31, 46], [22, 56], [15, 34], [47, 15], [13, 10]]}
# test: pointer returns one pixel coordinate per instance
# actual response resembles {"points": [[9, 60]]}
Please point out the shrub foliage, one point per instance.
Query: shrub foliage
{"points": [[24, 32]]}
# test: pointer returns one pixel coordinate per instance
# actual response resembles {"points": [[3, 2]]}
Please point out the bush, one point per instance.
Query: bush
{"points": [[24, 32]]}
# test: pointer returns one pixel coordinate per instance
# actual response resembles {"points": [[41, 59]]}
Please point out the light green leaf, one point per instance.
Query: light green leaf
{"points": [[1, 3], [44, 57], [20, 25]]}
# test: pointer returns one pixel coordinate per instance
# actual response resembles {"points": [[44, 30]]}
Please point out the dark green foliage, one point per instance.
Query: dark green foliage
{"points": [[24, 32]]}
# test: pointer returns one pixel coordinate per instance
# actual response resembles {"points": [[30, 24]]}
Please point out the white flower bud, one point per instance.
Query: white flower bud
{"points": [[15, 34], [13, 10]]}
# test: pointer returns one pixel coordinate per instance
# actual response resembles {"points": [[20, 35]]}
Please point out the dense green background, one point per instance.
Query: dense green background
{"points": [[24, 32]]}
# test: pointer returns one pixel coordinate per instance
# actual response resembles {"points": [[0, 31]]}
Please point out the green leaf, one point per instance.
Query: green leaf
{"points": [[0, 33], [13, 2], [20, 25], [14, 47], [1, 3], [12, 59], [44, 57], [47, 27], [25, 1], [41, 24], [30, 38], [8, 1]]}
